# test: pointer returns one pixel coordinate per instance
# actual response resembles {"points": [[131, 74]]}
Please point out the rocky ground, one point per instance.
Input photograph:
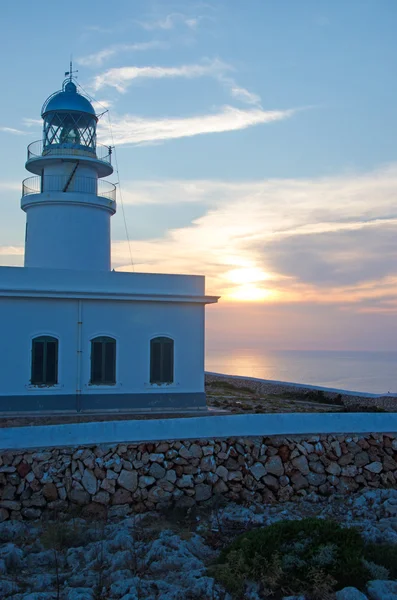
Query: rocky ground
{"points": [[234, 396], [165, 555]]}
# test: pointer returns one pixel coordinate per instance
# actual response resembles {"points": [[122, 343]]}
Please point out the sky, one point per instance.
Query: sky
{"points": [[256, 144]]}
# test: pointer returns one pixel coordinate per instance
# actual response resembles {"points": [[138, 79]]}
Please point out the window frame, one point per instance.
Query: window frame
{"points": [[162, 341], [45, 339], [103, 340]]}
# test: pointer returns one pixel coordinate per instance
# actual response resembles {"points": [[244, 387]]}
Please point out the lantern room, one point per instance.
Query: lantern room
{"points": [[69, 121]]}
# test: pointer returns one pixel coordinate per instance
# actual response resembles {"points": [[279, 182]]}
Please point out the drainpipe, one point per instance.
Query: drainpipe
{"points": [[79, 354]]}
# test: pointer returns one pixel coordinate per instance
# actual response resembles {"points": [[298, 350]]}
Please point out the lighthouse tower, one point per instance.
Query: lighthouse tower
{"points": [[67, 203]]}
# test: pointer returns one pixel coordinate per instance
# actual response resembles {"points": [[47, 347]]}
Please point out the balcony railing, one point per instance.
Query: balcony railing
{"points": [[36, 150], [80, 185]]}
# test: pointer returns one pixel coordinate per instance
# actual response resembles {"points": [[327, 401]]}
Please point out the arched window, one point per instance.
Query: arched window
{"points": [[103, 361], [44, 361], [161, 360]]}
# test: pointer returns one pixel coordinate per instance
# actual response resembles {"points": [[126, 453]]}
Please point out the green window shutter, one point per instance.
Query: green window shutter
{"points": [[110, 361], [37, 362], [161, 360], [44, 361], [168, 361], [103, 361], [51, 363]]}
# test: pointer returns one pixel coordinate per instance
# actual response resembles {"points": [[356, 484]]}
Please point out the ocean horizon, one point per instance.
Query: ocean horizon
{"points": [[360, 371]]}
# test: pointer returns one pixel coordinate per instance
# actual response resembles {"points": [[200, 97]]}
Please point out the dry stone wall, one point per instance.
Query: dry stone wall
{"points": [[117, 480]]}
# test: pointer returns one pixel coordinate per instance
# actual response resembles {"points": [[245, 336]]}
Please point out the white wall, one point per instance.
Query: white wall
{"points": [[114, 432], [67, 234], [131, 323]]}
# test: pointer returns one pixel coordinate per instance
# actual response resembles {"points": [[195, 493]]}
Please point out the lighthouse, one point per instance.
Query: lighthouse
{"points": [[67, 202], [78, 336]]}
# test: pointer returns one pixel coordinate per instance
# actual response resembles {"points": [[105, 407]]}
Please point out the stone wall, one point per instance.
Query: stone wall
{"points": [[116, 480]]}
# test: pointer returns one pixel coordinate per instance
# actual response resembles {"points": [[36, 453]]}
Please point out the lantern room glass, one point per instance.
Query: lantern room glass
{"points": [[69, 129]]}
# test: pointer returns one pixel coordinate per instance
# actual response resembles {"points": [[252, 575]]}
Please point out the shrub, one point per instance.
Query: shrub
{"points": [[312, 556]]}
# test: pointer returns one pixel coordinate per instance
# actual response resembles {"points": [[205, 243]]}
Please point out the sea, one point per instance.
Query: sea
{"points": [[373, 372]]}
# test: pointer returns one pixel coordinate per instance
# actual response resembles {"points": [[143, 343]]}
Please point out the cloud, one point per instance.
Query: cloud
{"points": [[170, 21], [32, 122], [130, 129], [120, 78], [12, 131], [98, 58], [11, 251], [321, 241]]}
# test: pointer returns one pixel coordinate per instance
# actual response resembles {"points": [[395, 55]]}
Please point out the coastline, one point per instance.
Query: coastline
{"points": [[385, 401]]}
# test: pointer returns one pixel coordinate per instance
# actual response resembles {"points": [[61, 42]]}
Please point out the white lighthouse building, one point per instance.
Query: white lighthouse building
{"points": [[80, 336]]}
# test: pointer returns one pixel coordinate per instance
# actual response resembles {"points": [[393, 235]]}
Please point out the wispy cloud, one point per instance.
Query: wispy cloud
{"points": [[170, 21], [120, 78], [32, 122], [12, 131], [130, 129], [96, 59], [11, 251]]}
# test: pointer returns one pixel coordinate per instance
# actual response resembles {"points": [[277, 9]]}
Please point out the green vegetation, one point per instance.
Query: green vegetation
{"points": [[314, 557]]}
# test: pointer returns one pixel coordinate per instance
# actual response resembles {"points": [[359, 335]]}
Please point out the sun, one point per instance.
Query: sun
{"points": [[251, 293], [246, 280]]}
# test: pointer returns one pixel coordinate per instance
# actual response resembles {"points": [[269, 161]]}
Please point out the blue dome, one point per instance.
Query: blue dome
{"points": [[68, 100]]}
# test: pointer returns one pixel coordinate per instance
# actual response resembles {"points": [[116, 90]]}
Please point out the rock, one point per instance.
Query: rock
{"points": [[207, 463], [271, 482], [128, 480], [10, 505], [196, 451], [109, 485], [185, 502], [146, 480], [50, 492], [220, 487], [31, 513], [89, 481], [208, 450], [157, 471], [203, 492], [361, 459], [382, 590], [346, 459], [284, 452], [374, 467], [171, 476], [121, 497], [258, 470], [333, 469], [80, 497], [316, 479], [300, 463], [299, 481], [350, 593], [118, 511], [223, 473], [102, 497], [274, 466], [4, 514], [389, 464], [235, 476], [317, 467], [186, 481], [159, 457], [350, 471], [157, 494]]}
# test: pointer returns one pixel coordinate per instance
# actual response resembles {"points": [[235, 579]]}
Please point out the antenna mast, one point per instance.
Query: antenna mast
{"points": [[70, 72]]}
